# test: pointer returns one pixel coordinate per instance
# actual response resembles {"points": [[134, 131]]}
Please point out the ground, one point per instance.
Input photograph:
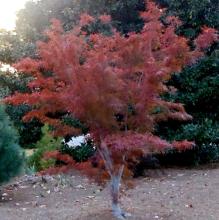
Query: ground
{"points": [[182, 194]]}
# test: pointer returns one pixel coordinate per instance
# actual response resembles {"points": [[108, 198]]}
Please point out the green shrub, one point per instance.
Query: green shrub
{"points": [[199, 155], [79, 153], [46, 144], [198, 90], [29, 132], [11, 155]]}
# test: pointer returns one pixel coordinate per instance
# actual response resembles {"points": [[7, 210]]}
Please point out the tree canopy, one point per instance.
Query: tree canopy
{"points": [[113, 84]]}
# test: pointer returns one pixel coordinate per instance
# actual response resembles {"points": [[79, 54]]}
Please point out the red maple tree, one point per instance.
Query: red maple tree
{"points": [[112, 84]]}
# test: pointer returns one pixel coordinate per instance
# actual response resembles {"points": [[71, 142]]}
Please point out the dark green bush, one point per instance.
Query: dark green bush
{"points": [[198, 90], [29, 132], [11, 155], [79, 153], [199, 155]]}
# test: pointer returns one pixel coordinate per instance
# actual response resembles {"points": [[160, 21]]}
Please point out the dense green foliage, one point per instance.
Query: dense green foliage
{"points": [[193, 13], [197, 87], [29, 132], [198, 90], [46, 144], [36, 16], [11, 155]]}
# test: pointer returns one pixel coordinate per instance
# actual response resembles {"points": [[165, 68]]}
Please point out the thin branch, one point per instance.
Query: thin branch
{"points": [[104, 152]]}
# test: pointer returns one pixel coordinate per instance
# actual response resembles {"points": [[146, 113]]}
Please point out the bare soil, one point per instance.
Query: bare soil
{"points": [[176, 194]]}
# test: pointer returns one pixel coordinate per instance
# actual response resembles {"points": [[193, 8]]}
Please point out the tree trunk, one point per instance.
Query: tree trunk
{"points": [[116, 176], [115, 187]]}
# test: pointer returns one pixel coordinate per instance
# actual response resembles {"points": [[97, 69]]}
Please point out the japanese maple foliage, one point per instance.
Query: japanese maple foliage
{"points": [[112, 84]]}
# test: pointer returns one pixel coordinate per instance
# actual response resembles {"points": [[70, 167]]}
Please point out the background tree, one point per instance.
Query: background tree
{"points": [[198, 90], [35, 18], [112, 84], [11, 155], [197, 87], [13, 47], [194, 14]]}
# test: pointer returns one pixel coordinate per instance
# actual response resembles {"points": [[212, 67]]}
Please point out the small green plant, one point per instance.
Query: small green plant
{"points": [[46, 144]]}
